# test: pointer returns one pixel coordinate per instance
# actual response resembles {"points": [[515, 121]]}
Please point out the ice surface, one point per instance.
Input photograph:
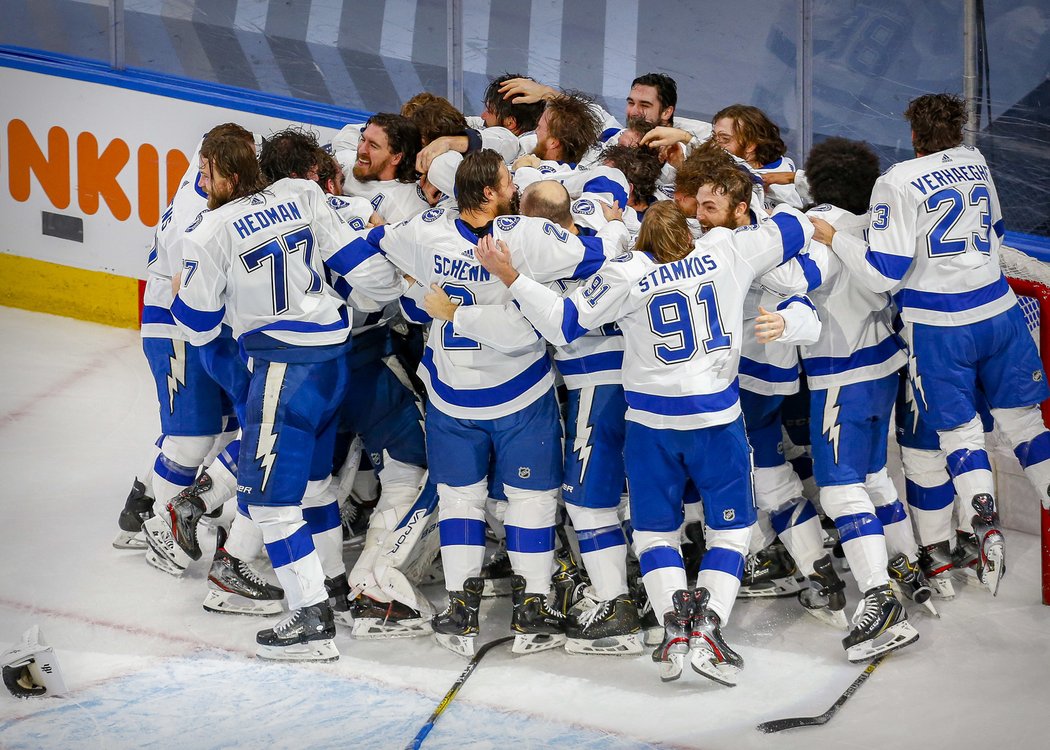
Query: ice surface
{"points": [[148, 667]]}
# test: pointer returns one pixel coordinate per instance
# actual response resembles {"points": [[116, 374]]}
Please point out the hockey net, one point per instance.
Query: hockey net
{"points": [[1030, 280]]}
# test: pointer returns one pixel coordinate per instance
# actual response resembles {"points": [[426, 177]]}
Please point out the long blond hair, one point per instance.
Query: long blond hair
{"points": [[664, 233]]}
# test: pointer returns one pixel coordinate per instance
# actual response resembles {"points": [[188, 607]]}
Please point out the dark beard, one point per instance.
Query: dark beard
{"points": [[515, 205]]}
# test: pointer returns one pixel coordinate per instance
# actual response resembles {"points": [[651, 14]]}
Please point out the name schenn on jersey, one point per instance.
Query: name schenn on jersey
{"points": [[459, 269], [950, 176], [248, 225]]}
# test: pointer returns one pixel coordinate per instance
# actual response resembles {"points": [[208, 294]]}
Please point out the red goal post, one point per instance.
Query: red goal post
{"points": [[1030, 280]]}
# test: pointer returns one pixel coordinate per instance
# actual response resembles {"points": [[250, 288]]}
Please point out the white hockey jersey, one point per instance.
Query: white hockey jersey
{"points": [[682, 321], [857, 342], [465, 378], [776, 194], [259, 259], [165, 256], [934, 236], [394, 201]]}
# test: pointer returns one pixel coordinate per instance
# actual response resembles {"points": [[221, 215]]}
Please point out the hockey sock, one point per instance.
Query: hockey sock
{"points": [[968, 463], [223, 473], [175, 467], [763, 535], [291, 549], [462, 528], [321, 513], [495, 512], [723, 567], [860, 533], [896, 526], [798, 527], [245, 541], [663, 571], [231, 428], [1025, 430], [530, 535], [930, 494], [603, 549]]}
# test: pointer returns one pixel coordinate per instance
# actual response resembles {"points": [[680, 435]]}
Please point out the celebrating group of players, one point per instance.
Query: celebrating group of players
{"points": [[583, 341]]}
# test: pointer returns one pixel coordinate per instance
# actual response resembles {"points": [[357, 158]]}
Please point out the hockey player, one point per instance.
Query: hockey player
{"points": [[933, 240], [568, 129], [257, 255], [680, 308], [487, 405], [594, 469], [379, 162], [192, 402], [747, 133], [852, 376]]}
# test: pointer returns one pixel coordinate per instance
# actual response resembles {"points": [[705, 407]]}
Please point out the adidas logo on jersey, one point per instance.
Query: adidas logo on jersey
{"points": [[946, 158]]}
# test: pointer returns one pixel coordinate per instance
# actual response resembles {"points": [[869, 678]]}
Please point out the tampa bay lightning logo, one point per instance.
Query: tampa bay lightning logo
{"points": [[432, 214], [622, 257], [546, 168], [821, 207], [196, 222], [583, 207], [336, 202], [506, 223], [745, 228]]}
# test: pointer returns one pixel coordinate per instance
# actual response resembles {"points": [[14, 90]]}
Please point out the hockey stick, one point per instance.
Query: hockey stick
{"points": [[779, 725], [417, 741]]}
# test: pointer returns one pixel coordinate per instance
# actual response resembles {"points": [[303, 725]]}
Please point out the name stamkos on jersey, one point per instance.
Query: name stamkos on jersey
{"points": [[432, 214], [583, 207]]}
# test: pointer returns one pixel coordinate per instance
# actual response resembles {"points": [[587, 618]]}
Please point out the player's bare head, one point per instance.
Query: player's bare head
{"points": [[654, 97], [639, 165], [664, 233], [329, 174], [517, 118], [233, 170], [483, 184], [723, 199], [842, 172], [289, 153], [746, 132], [434, 116], [388, 148], [568, 124], [704, 160], [549, 200], [937, 122]]}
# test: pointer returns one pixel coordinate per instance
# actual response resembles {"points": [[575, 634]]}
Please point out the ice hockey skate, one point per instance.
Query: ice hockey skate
{"points": [[567, 583], [304, 635], [652, 630], [538, 625], [936, 563], [879, 625], [234, 587], [604, 627], [908, 580], [497, 573], [770, 572], [339, 599], [376, 620], [825, 598], [678, 626], [138, 508], [456, 628], [172, 536], [991, 563], [354, 515], [711, 655]]}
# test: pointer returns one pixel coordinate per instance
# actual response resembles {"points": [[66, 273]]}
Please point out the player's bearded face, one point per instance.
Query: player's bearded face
{"points": [[508, 202], [220, 189], [713, 209], [373, 154]]}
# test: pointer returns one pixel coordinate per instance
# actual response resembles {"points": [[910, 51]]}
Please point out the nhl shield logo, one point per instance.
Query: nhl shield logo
{"points": [[524, 472], [728, 515], [376, 458], [1037, 376]]}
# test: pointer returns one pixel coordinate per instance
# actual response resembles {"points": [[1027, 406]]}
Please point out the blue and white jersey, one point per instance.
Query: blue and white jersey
{"points": [[776, 194], [466, 378], [682, 321], [165, 256], [857, 342], [394, 201], [933, 239], [260, 261]]}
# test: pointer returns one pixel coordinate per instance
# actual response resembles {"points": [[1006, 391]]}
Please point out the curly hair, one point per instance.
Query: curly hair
{"points": [[574, 123], [639, 165], [753, 128], [705, 159], [232, 157], [434, 116], [842, 172], [288, 153], [730, 182], [937, 122]]}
